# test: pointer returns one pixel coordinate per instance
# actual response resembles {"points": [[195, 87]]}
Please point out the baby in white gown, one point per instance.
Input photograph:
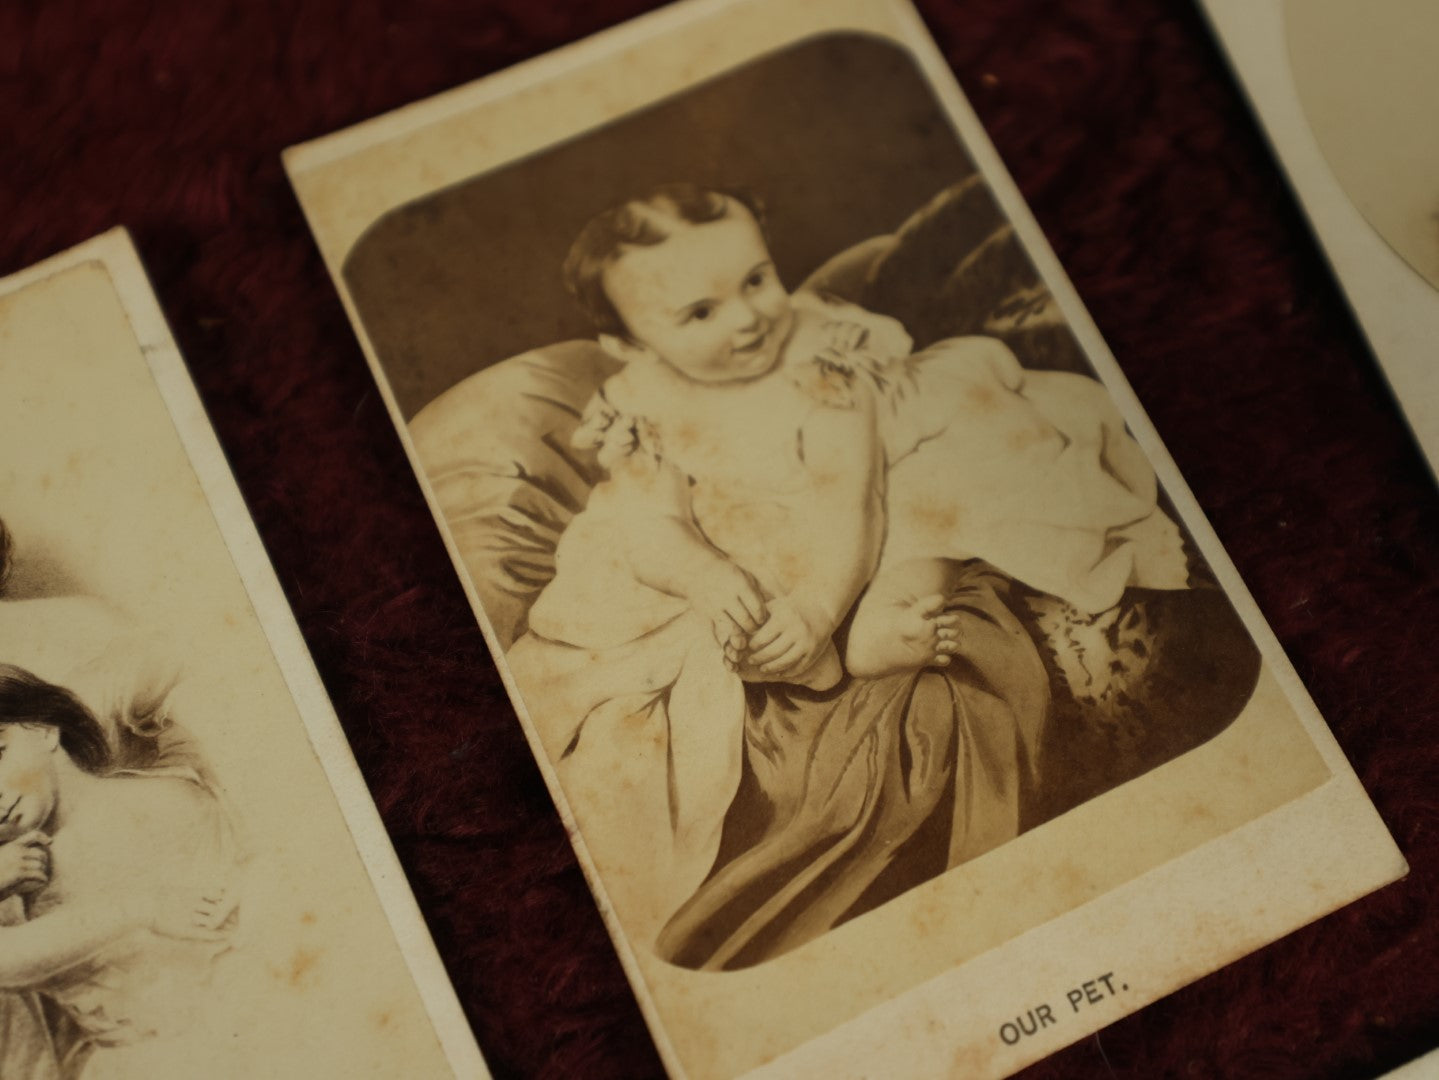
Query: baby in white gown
{"points": [[773, 459]]}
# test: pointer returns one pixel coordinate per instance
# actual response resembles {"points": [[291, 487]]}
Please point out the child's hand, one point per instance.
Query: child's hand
{"points": [[789, 642], [191, 914], [734, 648], [731, 600], [25, 864]]}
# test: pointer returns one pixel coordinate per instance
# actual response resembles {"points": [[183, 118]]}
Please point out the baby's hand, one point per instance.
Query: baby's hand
{"points": [[789, 642], [25, 864], [192, 914], [732, 602], [734, 648]]}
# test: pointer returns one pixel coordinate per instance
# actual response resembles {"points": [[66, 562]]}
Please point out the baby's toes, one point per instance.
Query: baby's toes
{"points": [[944, 648], [947, 621]]}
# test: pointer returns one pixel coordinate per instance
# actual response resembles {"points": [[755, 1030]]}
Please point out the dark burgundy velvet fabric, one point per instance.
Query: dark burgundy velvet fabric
{"points": [[1136, 151]]}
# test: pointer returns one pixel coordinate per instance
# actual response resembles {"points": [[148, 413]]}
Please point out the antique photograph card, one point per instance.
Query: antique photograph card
{"points": [[1347, 95], [193, 879], [906, 713]]}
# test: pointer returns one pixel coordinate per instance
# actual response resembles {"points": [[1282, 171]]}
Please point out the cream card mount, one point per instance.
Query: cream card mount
{"points": [[195, 880], [1347, 94], [906, 713]]}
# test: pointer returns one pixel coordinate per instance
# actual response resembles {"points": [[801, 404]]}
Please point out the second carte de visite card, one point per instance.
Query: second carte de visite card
{"points": [[907, 714], [1347, 96], [193, 878]]}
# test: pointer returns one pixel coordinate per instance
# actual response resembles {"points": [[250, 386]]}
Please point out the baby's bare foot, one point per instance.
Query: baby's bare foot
{"points": [[905, 636], [929, 635]]}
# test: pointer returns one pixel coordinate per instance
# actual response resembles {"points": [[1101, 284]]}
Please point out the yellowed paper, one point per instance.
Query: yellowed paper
{"points": [[1370, 90], [194, 880], [1369, 199], [1417, 1069], [909, 714]]}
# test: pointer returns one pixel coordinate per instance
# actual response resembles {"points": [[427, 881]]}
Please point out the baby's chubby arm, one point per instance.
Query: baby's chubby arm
{"points": [[179, 888], [45, 946], [665, 550], [670, 555], [50, 944], [845, 517], [24, 863]]}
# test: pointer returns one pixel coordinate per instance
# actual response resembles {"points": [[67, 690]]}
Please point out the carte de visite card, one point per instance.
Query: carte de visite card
{"points": [[907, 714], [193, 879], [1347, 95]]}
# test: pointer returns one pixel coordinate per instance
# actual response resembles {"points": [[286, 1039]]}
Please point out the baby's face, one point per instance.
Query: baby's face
{"points": [[27, 777], [706, 299]]}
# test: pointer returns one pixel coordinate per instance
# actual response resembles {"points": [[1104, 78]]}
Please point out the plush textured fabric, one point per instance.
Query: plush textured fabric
{"points": [[1143, 165]]}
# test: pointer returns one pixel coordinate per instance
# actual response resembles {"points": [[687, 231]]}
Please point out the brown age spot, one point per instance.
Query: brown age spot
{"points": [[940, 521], [739, 518], [636, 466], [685, 435], [973, 1060], [302, 964], [1199, 812], [28, 782], [1073, 882], [980, 395], [928, 915], [382, 1019], [308, 918], [1024, 438], [1218, 937], [792, 567]]}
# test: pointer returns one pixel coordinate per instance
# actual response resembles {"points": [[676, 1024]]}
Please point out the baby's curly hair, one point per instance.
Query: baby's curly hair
{"points": [[640, 222], [7, 555]]}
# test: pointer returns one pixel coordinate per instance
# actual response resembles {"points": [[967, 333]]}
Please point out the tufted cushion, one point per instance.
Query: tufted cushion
{"points": [[496, 450]]}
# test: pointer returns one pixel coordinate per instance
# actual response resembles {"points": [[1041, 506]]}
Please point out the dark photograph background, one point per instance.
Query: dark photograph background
{"points": [[1138, 154], [466, 277]]}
